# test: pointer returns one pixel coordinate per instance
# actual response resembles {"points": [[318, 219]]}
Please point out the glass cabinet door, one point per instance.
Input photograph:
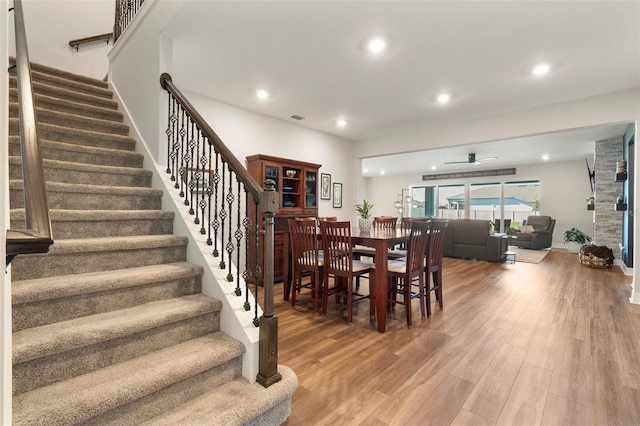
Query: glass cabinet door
{"points": [[311, 189], [273, 173]]}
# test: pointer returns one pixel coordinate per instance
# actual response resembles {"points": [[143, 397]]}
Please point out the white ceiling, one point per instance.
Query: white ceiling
{"points": [[310, 56]]}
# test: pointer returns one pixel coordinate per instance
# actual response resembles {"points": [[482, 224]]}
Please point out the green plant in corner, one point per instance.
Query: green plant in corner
{"points": [[577, 236], [364, 209]]}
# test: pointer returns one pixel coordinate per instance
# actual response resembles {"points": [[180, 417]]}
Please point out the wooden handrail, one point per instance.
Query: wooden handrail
{"points": [[78, 42], [37, 237]]}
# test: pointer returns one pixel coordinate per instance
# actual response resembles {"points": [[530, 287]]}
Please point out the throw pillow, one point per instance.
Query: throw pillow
{"points": [[526, 229]]}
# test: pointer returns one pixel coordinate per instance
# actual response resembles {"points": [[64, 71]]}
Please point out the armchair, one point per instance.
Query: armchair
{"points": [[535, 233]]}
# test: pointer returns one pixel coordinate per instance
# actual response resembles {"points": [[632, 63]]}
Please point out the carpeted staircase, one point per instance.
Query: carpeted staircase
{"points": [[111, 327]]}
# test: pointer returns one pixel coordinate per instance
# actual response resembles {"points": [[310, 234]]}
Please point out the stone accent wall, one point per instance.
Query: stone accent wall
{"points": [[608, 222]]}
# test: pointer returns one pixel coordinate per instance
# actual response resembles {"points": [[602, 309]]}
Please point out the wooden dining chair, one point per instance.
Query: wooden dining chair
{"points": [[340, 265], [433, 262], [404, 274], [384, 222], [306, 258]]}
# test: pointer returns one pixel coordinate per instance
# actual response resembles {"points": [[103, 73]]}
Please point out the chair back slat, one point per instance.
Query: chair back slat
{"points": [[384, 222], [436, 242], [416, 247], [336, 243]]}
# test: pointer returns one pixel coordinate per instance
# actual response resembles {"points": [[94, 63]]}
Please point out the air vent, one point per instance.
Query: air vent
{"points": [[297, 117]]}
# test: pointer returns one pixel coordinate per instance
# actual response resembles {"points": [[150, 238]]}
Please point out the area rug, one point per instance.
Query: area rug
{"points": [[529, 256]]}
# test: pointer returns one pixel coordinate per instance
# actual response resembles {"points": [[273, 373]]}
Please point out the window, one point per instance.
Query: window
{"points": [[451, 204], [521, 199]]}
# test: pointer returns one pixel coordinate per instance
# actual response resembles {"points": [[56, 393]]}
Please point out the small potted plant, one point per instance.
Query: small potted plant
{"points": [[364, 211], [575, 239]]}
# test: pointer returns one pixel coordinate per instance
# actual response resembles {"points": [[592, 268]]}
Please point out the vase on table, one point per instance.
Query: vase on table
{"points": [[365, 225]]}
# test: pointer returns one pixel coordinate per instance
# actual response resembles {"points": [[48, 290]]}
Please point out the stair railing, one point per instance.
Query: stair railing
{"points": [[220, 193], [126, 10], [102, 37], [37, 235]]}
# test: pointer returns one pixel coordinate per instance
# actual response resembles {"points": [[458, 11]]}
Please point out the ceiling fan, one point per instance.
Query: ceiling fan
{"points": [[472, 160]]}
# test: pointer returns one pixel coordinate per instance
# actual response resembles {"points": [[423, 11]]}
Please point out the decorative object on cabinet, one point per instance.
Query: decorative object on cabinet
{"points": [[591, 202], [297, 186], [337, 195], [325, 186]]}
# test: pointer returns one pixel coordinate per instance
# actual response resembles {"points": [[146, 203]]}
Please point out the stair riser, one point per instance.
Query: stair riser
{"points": [[74, 121], [70, 95], [56, 264], [44, 69], [53, 174], [64, 105], [170, 397], [75, 136], [69, 229], [61, 152], [27, 315], [46, 370], [68, 84], [85, 201]]}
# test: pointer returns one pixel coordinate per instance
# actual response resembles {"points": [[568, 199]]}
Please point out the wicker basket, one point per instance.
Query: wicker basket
{"points": [[588, 257]]}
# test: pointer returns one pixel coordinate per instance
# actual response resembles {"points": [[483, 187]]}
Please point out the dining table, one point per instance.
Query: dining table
{"points": [[380, 240]]}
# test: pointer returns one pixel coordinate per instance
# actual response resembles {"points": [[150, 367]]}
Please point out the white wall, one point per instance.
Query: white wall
{"points": [[564, 188], [51, 24], [246, 133]]}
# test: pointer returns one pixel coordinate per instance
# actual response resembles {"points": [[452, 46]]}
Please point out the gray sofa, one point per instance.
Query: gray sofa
{"points": [[470, 239], [540, 238]]}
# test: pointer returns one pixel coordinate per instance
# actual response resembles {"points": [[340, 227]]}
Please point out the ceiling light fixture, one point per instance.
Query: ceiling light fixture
{"points": [[545, 157], [541, 69], [341, 123], [376, 45], [262, 94], [444, 98]]}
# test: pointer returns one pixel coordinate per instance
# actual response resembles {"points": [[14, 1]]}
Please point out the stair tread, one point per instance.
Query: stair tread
{"points": [[42, 88], [80, 148], [233, 403], [103, 215], [66, 335], [64, 74], [88, 245], [96, 168], [25, 291], [89, 189], [91, 394], [83, 109]]}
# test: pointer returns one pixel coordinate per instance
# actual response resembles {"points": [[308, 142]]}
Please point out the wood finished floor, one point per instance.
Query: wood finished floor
{"points": [[553, 343]]}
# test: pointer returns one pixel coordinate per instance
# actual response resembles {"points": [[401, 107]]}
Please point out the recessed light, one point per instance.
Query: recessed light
{"points": [[541, 69], [376, 45], [545, 157], [381, 172], [433, 167], [262, 94], [341, 123], [443, 98], [365, 171]]}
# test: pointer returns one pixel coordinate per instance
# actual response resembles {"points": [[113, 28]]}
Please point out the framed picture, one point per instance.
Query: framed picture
{"points": [[325, 186], [337, 195]]}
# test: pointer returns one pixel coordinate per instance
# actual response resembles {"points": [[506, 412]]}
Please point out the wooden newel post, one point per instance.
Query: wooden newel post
{"points": [[268, 345]]}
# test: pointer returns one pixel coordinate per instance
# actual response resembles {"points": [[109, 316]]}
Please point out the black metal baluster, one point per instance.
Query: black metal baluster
{"points": [[174, 143], [230, 199], [210, 190], [238, 234], [247, 274], [201, 176], [223, 213], [182, 171], [257, 272], [216, 220], [195, 177], [169, 131]]}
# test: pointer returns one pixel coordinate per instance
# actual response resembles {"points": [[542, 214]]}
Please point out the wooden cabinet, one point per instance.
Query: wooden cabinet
{"points": [[297, 185]]}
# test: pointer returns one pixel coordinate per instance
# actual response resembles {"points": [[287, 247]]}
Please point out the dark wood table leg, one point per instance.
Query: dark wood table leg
{"points": [[286, 273], [381, 284]]}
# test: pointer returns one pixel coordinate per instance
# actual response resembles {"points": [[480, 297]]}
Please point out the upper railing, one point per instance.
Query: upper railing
{"points": [[102, 37], [37, 236], [235, 215], [125, 12]]}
